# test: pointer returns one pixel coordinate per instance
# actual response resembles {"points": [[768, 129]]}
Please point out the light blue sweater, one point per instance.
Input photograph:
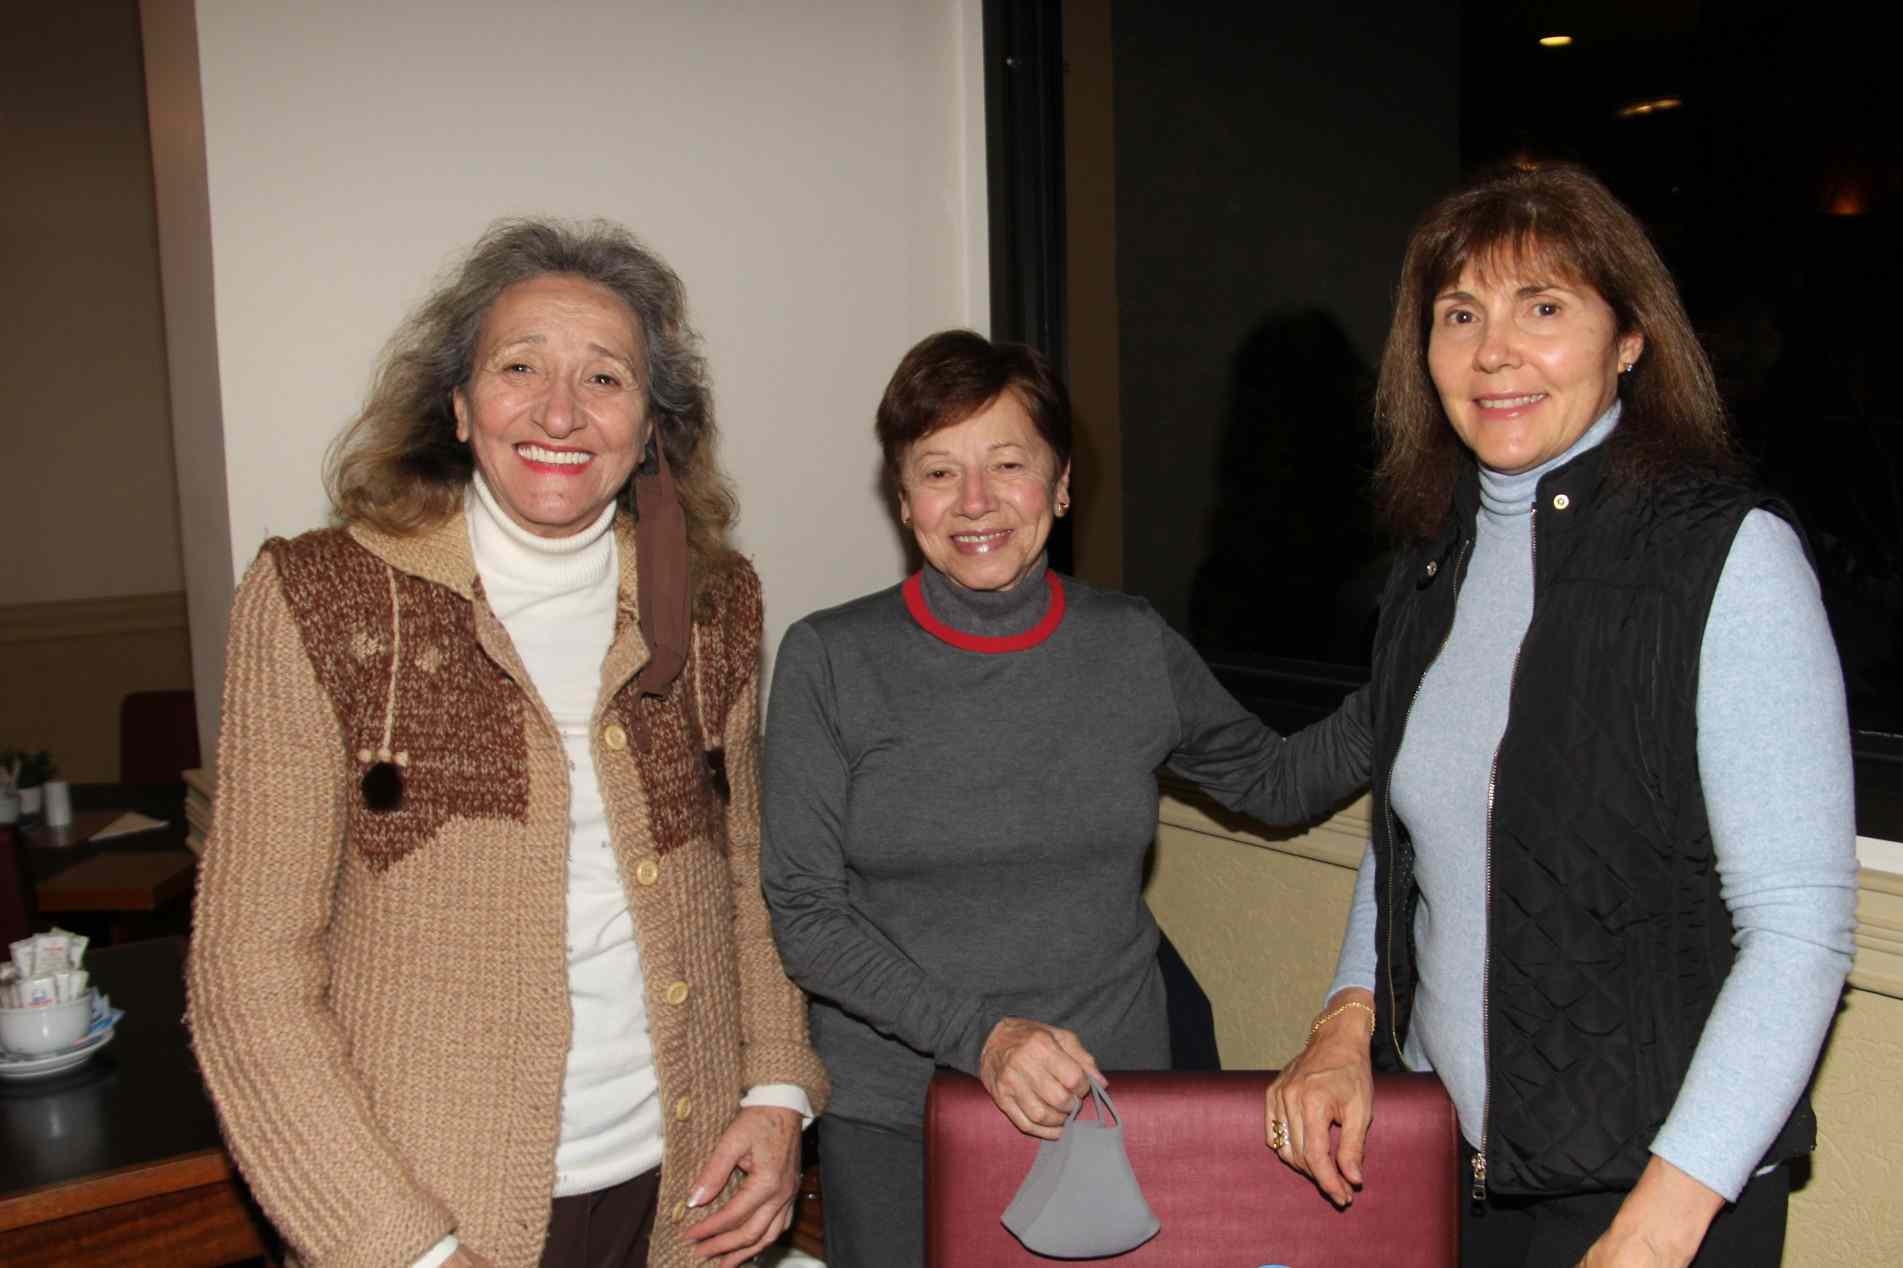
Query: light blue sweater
{"points": [[1774, 757]]}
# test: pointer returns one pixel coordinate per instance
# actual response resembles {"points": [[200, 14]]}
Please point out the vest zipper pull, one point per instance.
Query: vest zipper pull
{"points": [[1478, 1193]]}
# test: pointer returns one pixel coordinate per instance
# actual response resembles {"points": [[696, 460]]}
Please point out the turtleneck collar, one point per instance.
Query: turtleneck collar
{"points": [[988, 620], [509, 556], [1504, 494]]}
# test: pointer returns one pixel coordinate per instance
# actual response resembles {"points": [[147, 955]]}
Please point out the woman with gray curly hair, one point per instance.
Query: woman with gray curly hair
{"points": [[481, 972]]}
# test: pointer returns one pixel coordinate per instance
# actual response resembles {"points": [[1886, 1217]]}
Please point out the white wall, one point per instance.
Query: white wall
{"points": [[814, 171], [176, 117]]}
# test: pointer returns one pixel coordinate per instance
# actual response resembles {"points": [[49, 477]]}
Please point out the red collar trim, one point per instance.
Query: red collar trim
{"points": [[991, 645]]}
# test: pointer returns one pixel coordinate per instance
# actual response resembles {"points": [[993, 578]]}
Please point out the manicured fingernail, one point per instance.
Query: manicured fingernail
{"points": [[697, 1197]]}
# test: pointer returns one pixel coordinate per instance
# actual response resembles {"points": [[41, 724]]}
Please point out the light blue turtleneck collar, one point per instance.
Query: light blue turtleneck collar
{"points": [[1505, 494]]}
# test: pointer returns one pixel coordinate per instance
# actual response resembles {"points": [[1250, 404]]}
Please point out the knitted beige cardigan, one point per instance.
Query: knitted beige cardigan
{"points": [[379, 1000]]}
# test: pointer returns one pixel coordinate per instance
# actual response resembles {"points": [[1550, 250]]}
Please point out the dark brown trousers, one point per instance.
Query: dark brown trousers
{"points": [[608, 1228]]}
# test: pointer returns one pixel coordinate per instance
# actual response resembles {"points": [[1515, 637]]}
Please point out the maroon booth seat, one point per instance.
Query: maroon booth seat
{"points": [[1196, 1144]]}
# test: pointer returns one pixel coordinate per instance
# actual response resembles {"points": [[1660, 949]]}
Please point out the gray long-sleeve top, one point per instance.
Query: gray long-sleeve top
{"points": [[952, 837], [1774, 759]]}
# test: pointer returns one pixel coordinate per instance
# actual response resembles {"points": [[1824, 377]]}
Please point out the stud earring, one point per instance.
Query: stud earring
{"points": [[1627, 367]]}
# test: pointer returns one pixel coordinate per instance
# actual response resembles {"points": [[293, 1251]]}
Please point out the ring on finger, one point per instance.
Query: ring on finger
{"points": [[1278, 1134]]}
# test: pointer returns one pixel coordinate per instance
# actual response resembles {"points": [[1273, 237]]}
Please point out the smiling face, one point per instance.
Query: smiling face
{"points": [[981, 495], [1524, 361], [555, 409]]}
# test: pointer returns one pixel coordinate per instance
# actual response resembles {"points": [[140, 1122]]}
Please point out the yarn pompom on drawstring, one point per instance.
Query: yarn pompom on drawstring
{"points": [[717, 773], [383, 787]]}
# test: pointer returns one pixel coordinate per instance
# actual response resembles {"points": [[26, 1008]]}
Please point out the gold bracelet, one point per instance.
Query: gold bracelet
{"points": [[1337, 1011]]}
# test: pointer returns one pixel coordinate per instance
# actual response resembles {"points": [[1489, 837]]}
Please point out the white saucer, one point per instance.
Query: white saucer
{"points": [[54, 1062]]}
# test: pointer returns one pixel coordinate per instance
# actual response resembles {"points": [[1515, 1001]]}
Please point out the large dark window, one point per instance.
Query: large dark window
{"points": [[1270, 161]]}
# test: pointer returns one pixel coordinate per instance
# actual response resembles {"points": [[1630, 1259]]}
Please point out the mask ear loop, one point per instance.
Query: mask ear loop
{"points": [[382, 784], [1107, 1115]]}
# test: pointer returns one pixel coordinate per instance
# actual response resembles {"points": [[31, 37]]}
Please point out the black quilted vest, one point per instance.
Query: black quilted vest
{"points": [[1607, 938]]}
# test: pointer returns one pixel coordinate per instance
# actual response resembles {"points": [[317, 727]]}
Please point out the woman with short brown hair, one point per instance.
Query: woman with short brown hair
{"points": [[961, 788]]}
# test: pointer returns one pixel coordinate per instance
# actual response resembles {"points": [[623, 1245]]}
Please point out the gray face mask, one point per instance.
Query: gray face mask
{"points": [[1081, 1200]]}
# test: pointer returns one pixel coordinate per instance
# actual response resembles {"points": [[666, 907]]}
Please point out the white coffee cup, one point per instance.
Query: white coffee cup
{"points": [[59, 803]]}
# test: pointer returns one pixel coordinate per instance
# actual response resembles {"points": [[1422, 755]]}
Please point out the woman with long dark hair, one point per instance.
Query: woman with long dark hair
{"points": [[1610, 889]]}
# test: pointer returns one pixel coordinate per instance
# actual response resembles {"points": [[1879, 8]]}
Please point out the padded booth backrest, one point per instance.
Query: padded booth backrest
{"points": [[1195, 1141]]}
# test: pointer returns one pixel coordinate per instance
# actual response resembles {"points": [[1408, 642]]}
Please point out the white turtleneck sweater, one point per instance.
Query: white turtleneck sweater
{"points": [[556, 598]]}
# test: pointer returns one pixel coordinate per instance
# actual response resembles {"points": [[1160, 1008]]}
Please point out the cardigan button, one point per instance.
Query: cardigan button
{"points": [[614, 737], [680, 1212], [646, 872], [676, 993], [684, 1109], [1561, 501]]}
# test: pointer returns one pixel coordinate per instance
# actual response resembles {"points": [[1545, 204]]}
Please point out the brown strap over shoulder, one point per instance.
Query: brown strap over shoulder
{"points": [[660, 546]]}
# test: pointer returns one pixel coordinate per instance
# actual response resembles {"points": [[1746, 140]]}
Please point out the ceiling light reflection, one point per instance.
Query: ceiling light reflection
{"points": [[1651, 106]]}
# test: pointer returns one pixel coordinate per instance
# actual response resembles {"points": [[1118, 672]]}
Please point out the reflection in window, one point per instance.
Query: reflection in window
{"points": [[1269, 165]]}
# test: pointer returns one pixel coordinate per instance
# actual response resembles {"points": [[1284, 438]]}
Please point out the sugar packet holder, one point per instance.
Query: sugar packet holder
{"points": [[39, 992], [44, 970], [56, 951]]}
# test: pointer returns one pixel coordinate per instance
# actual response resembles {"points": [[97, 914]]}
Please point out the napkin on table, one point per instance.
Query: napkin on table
{"points": [[127, 824]]}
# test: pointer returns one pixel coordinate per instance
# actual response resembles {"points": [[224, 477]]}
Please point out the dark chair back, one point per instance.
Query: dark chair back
{"points": [[158, 737], [1195, 1141], [16, 890]]}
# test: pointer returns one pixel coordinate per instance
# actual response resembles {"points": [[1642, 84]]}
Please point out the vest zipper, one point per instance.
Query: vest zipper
{"points": [[1394, 1005], [1478, 1193]]}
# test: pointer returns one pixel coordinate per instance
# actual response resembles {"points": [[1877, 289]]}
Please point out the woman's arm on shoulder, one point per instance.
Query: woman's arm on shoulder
{"points": [[1244, 764], [829, 948], [298, 1122]]}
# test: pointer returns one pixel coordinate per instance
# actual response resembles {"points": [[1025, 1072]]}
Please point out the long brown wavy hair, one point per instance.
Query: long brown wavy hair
{"points": [[399, 466], [1560, 218]]}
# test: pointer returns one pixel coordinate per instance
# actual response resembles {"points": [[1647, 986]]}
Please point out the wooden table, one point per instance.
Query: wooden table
{"points": [[120, 1161], [46, 851], [118, 884], [123, 882]]}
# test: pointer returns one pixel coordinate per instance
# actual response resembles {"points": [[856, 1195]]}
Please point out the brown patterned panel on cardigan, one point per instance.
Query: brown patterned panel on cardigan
{"points": [[458, 722], [684, 766], [680, 794]]}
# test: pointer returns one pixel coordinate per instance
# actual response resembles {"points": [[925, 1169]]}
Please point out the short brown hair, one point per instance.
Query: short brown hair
{"points": [[1562, 217], [399, 466], [948, 377]]}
